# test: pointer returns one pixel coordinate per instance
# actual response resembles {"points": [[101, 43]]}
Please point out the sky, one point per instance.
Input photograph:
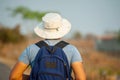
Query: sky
{"points": [[86, 16]]}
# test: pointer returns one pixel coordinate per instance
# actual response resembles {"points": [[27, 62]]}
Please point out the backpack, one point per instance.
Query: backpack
{"points": [[51, 63]]}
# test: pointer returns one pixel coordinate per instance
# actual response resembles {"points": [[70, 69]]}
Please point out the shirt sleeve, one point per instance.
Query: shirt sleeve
{"points": [[24, 56], [76, 56]]}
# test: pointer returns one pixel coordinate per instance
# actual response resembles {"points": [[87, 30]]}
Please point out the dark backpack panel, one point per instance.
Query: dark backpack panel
{"points": [[51, 63]]}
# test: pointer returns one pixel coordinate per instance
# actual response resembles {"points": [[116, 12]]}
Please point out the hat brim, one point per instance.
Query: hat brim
{"points": [[48, 34]]}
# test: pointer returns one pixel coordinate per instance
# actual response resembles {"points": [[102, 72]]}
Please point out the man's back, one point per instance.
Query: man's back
{"points": [[31, 51]]}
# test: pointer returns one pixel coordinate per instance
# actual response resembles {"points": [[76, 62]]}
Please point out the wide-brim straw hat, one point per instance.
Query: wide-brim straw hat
{"points": [[53, 26]]}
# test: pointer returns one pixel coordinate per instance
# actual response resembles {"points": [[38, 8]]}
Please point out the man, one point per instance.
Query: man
{"points": [[52, 28]]}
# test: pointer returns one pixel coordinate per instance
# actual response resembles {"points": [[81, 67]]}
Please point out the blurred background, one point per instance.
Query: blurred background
{"points": [[95, 32]]}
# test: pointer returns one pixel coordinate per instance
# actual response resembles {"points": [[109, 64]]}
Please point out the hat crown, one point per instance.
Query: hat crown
{"points": [[53, 26], [52, 21]]}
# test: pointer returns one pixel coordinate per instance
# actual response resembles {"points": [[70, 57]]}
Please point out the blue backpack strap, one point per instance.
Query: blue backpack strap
{"points": [[62, 44]]}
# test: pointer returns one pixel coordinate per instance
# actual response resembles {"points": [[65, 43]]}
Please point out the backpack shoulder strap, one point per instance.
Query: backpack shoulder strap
{"points": [[41, 44], [62, 44]]}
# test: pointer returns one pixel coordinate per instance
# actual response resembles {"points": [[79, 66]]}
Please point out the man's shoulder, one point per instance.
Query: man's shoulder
{"points": [[32, 47], [70, 47]]}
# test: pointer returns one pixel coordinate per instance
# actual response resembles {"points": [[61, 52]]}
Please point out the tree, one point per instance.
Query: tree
{"points": [[8, 35], [27, 13], [118, 35]]}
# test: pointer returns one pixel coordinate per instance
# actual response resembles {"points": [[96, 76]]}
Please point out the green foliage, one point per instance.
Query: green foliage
{"points": [[118, 36], [28, 14], [8, 35]]}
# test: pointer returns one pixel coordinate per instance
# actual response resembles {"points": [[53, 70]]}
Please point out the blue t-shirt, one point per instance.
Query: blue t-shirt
{"points": [[30, 52]]}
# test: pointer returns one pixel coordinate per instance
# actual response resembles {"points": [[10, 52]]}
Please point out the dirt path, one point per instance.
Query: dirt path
{"points": [[4, 72]]}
